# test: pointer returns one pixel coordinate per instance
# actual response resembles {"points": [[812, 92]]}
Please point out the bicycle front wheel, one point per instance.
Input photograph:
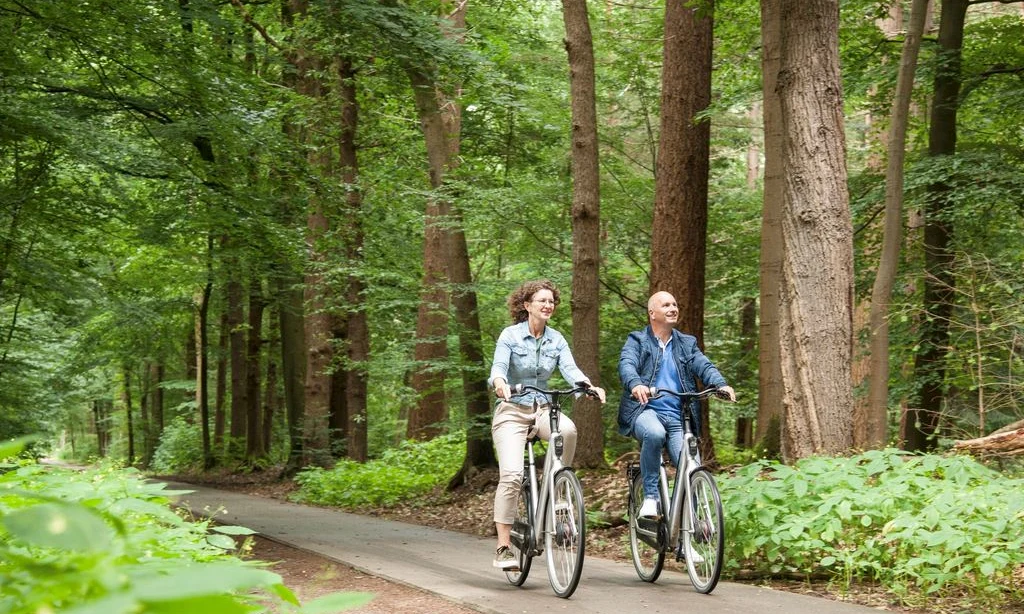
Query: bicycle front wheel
{"points": [[565, 541], [705, 545], [648, 557], [522, 537]]}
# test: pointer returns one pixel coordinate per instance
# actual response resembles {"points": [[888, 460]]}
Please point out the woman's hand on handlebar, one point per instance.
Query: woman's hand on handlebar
{"points": [[501, 389], [599, 392]]}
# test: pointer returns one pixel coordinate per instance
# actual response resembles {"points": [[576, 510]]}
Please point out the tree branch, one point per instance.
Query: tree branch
{"points": [[247, 18]]}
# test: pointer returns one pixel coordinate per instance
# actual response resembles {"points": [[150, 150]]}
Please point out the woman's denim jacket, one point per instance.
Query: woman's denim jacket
{"points": [[639, 362], [520, 358]]}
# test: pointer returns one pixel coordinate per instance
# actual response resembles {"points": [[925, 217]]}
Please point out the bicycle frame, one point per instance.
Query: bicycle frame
{"points": [[678, 517], [542, 514]]}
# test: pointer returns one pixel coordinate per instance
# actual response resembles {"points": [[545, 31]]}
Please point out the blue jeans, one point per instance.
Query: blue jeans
{"points": [[653, 430]]}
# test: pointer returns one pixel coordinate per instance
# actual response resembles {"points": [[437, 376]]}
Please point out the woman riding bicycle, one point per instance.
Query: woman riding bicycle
{"points": [[642, 365], [526, 353]]}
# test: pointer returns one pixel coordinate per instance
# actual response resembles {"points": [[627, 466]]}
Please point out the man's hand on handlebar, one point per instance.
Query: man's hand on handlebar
{"points": [[726, 392], [641, 393]]}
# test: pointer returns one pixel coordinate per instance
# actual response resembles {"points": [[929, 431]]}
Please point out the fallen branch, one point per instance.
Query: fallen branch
{"points": [[1008, 443]]}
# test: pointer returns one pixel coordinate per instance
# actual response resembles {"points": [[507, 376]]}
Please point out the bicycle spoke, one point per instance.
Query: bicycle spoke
{"points": [[705, 545], [648, 559], [565, 540]]}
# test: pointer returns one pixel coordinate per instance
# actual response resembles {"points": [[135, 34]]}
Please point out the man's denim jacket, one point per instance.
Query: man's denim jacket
{"points": [[521, 358], [639, 363]]}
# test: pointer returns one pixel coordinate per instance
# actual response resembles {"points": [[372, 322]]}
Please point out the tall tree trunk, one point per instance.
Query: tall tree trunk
{"points": [[586, 227], [292, 323], [769, 400], [817, 289], [220, 393], [156, 376], [145, 420], [870, 429], [254, 448], [679, 233], [126, 400], [237, 350], [202, 347], [316, 436], [356, 443], [929, 367]]}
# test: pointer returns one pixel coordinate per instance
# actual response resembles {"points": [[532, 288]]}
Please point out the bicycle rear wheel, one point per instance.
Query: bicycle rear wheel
{"points": [[648, 558], [707, 541], [522, 537], [566, 540]]}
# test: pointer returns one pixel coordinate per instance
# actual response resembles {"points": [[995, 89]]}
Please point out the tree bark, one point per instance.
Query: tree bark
{"points": [[679, 233], [929, 366], [356, 444], [220, 393], [254, 449], [871, 427], [202, 352], [126, 400], [236, 349], [431, 351], [817, 289], [586, 228], [769, 400]]}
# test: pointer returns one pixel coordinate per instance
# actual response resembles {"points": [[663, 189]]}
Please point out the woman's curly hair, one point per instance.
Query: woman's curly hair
{"points": [[524, 293]]}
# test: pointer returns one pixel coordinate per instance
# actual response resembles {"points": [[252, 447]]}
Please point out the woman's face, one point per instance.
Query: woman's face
{"points": [[541, 305]]}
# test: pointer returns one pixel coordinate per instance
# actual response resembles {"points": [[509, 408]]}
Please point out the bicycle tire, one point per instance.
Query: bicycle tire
{"points": [[648, 558], [566, 540], [708, 536], [522, 537]]}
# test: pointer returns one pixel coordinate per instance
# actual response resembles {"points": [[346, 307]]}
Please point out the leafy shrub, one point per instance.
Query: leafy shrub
{"points": [[919, 525], [178, 450], [105, 541], [400, 474]]}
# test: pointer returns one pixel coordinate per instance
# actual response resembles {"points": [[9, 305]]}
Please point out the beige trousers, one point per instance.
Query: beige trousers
{"points": [[509, 429]]}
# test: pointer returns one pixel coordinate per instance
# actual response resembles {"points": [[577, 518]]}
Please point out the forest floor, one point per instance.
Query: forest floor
{"points": [[468, 509]]}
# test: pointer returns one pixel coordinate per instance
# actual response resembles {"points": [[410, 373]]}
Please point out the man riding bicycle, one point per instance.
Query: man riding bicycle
{"points": [[661, 357]]}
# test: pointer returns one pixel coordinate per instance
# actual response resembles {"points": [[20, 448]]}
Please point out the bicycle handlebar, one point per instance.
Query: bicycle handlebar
{"points": [[703, 394], [583, 387]]}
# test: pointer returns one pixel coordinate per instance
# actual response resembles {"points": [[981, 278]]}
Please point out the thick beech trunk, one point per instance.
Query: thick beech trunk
{"points": [[769, 400], [679, 233], [586, 229], [817, 267]]}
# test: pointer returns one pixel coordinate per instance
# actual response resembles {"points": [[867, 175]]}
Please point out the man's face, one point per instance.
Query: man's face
{"points": [[663, 309]]}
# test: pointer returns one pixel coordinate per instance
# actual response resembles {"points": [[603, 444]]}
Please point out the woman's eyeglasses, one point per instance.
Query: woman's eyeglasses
{"points": [[544, 301]]}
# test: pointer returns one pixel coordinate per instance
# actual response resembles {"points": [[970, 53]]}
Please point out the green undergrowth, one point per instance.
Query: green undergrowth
{"points": [[401, 474], [922, 526], [105, 541]]}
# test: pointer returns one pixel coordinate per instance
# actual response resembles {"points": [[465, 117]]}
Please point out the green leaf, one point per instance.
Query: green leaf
{"points": [[119, 603], [827, 561], [233, 530], [224, 542], [336, 602], [201, 579], [207, 604], [14, 447], [60, 525]]}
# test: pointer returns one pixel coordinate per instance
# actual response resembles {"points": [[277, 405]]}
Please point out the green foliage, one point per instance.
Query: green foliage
{"points": [[105, 541], [411, 470], [179, 450], [918, 525]]}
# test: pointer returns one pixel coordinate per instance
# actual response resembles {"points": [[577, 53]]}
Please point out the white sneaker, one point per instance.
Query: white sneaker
{"points": [[649, 509], [695, 557]]}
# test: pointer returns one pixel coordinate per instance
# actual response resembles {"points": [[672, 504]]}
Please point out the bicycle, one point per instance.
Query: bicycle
{"points": [[697, 529], [554, 512]]}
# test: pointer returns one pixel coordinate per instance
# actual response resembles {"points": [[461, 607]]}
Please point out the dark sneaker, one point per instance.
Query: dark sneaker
{"points": [[505, 559]]}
